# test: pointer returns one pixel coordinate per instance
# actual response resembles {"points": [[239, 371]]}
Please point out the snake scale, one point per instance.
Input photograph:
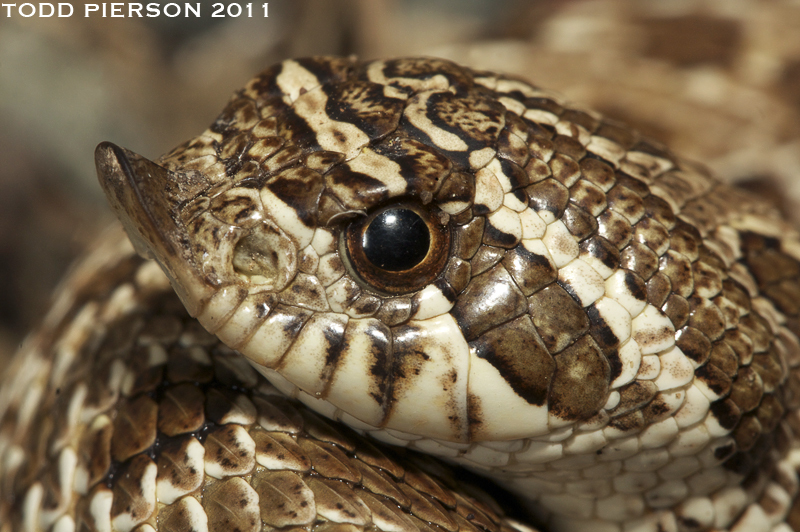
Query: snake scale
{"points": [[446, 260]]}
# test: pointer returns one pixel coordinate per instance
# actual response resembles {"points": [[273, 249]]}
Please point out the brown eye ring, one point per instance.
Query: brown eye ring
{"points": [[397, 249]]}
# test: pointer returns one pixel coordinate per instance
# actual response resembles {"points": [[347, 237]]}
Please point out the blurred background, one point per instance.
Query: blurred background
{"points": [[718, 80]]}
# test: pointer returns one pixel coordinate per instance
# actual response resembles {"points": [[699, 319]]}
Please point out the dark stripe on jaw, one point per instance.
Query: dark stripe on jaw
{"points": [[517, 352]]}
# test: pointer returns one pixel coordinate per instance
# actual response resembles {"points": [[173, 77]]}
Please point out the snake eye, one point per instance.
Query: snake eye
{"points": [[398, 249]]}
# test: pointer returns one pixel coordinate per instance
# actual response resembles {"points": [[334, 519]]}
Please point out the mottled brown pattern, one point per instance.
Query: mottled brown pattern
{"points": [[301, 469], [574, 253]]}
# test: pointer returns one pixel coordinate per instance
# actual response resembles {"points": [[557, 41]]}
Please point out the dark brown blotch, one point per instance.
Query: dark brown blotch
{"points": [[635, 285], [563, 167], [517, 177], [602, 250], [558, 318], [622, 200], [757, 330], [354, 190], [94, 450], [395, 311], [657, 410], [600, 330], [568, 150], [580, 383], [588, 197], [283, 158], [694, 344], [679, 270], [494, 236], [615, 228], [544, 104], [634, 396], [422, 166], [677, 310], [537, 170], [579, 223], [457, 274], [364, 104], [489, 300], [128, 497], [741, 344], [747, 432], [548, 195], [599, 173], [134, 427], [736, 293], [706, 317], [512, 148], [467, 237], [747, 389], [724, 357], [639, 259], [686, 240], [224, 447], [485, 258], [653, 234], [322, 161], [300, 188], [518, 353], [581, 118], [770, 368], [658, 289], [713, 377], [726, 412], [458, 187], [707, 278], [630, 423], [174, 465], [659, 210], [181, 409], [619, 133], [530, 271]]}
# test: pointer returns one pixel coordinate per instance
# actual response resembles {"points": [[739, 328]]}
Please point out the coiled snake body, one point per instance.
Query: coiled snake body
{"points": [[451, 261]]}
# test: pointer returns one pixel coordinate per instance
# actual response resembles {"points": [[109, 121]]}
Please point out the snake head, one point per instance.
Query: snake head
{"points": [[438, 256]]}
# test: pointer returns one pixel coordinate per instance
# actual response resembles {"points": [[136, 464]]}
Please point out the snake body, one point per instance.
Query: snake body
{"points": [[600, 326]]}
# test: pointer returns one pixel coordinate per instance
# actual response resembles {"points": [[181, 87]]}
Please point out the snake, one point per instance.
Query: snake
{"points": [[366, 273]]}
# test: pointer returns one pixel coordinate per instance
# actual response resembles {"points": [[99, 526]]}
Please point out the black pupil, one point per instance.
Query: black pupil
{"points": [[396, 240]]}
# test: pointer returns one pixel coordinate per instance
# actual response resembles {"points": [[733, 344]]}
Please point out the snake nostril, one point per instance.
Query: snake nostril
{"points": [[265, 256]]}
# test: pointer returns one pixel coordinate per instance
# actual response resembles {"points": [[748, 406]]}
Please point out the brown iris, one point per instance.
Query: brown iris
{"points": [[397, 249]]}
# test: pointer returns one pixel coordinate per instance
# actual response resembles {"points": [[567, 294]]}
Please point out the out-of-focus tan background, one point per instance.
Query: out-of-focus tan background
{"points": [[719, 80]]}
